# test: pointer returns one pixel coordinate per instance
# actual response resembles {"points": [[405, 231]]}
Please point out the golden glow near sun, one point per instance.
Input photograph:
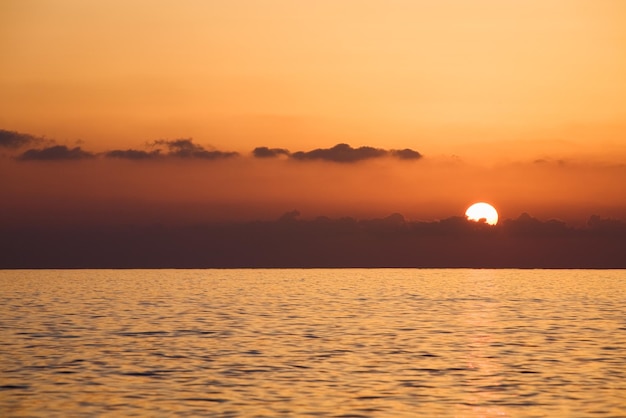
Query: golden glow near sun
{"points": [[482, 210]]}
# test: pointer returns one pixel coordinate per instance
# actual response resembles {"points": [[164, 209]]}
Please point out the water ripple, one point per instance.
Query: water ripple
{"points": [[340, 343]]}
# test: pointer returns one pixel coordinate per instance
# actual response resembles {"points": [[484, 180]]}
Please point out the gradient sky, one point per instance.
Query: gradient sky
{"points": [[520, 103]]}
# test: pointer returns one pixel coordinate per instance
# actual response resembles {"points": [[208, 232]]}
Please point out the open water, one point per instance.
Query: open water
{"points": [[322, 343]]}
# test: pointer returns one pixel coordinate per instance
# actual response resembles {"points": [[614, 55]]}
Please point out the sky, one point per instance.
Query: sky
{"points": [[150, 111]]}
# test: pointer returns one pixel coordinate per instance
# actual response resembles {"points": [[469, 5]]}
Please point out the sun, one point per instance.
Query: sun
{"points": [[480, 211]]}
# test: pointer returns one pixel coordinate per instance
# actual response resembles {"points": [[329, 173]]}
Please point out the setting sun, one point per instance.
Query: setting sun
{"points": [[481, 210]]}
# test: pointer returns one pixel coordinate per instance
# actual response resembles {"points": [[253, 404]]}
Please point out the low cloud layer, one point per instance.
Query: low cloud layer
{"points": [[55, 153], [133, 154], [288, 242], [340, 153]]}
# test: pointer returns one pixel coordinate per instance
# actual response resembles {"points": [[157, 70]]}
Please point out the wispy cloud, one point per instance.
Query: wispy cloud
{"points": [[176, 148], [14, 140], [185, 148]]}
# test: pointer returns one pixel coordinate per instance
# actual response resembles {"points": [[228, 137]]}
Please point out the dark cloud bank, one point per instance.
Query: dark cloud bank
{"points": [[265, 152], [186, 148], [340, 153], [16, 140], [178, 148], [55, 153], [524, 242]]}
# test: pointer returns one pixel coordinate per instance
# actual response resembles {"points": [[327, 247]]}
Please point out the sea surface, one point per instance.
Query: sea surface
{"points": [[320, 343]]}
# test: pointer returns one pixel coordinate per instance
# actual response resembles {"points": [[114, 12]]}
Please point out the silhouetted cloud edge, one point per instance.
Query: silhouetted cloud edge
{"points": [[15, 140], [55, 153], [340, 153], [265, 152], [185, 148], [176, 148]]}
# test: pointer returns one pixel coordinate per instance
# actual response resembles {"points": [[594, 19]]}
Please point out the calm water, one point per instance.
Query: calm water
{"points": [[327, 343]]}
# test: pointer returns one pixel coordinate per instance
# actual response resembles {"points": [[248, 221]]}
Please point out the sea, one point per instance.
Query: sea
{"points": [[313, 343]]}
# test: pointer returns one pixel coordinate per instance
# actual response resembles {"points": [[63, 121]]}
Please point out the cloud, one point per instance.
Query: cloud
{"points": [[340, 153], [344, 153], [528, 225], [289, 216], [598, 224], [545, 161], [406, 154], [178, 148], [55, 153], [133, 154], [265, 152], [185, 148], [12, 139]]}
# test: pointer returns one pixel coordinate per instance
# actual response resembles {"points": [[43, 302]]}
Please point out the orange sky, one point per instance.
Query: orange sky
{"points": [[481, 89]]}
